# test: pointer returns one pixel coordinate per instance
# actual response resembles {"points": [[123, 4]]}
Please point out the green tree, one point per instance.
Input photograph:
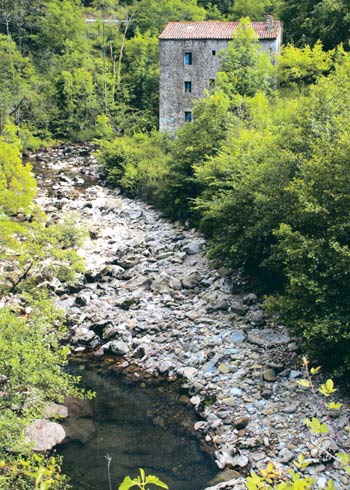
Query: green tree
{"points": [[16, 80], [17, 184], [195, 142], [76, 102], [255, 9], [151, 15], [245, 68], [141, 75], [298, 67], [311, 20]]}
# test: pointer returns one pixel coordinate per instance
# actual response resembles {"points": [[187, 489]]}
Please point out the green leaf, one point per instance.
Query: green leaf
{"points": [[304, 382], [334, 406], [155, 481], [327, 388], [330, 485], [315, 426], [128, 483], [315, 370]]}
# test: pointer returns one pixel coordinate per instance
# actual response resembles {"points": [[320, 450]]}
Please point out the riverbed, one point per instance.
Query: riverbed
{"points": [[150, 299]]}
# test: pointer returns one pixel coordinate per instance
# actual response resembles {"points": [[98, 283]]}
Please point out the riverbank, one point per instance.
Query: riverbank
{"points": [[150, 298]]}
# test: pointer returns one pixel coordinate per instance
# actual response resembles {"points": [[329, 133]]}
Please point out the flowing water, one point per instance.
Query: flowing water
{"points": [[138, 426]]}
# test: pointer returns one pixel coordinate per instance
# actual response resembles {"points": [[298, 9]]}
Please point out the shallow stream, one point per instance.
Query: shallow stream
{"points": [[138, 426]]}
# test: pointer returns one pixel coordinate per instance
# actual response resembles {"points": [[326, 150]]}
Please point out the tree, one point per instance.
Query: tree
{"points": [[141, 74], [298, 67], [255, 9], [152, 15], [17, 184], [245, 68], [311, 20], [195, 142], [16, 79], [77, 103]]}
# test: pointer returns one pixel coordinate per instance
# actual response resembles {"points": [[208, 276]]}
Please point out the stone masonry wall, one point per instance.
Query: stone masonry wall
{"points": [[174, 102]]}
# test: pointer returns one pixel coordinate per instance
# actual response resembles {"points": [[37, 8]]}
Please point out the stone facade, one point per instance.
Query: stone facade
{"points": [[188, 65]]}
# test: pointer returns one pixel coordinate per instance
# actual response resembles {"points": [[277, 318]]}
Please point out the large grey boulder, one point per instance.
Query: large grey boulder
{"points": [[45, 435]]}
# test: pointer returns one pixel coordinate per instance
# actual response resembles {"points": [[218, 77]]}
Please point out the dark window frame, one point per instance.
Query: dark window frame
{"points": [[188, 116], [188, 58], [187, 86]]}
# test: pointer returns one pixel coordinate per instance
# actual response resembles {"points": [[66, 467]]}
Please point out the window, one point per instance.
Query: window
{"points": [[211, 83], [188, 87], [213, 52], [188, 58], [188, 116]]}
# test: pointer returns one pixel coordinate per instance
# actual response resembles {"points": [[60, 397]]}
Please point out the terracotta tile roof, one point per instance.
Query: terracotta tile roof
{"points": [[215, 30]]}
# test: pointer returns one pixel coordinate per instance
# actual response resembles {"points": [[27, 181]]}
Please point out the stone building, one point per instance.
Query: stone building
{"points": [[189, 62]]}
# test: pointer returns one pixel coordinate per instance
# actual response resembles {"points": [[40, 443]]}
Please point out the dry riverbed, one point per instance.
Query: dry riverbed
{"points": [[151, 300]]}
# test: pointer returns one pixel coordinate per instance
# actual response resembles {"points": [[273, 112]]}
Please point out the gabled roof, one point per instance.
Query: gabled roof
{"points": [[217, 30]]}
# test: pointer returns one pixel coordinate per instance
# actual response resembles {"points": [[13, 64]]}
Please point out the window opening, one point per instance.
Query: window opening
{"points": [[213, 52], [188, 87], [188, 58], [188, 116]]}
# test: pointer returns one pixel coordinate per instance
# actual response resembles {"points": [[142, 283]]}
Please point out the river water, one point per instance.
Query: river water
{"points": [[137, 426]]}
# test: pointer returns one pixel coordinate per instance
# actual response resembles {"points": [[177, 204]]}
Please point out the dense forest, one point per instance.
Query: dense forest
{"points": [[263, 171]]}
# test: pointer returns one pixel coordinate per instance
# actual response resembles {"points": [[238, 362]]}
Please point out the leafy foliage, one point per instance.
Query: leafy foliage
{"points": [[17, 185], [312, 20], [40, 471], [32, 353], [142, 482]]}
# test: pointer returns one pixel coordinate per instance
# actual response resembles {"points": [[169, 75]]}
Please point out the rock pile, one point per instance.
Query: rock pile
{"points": [[150, 297]]}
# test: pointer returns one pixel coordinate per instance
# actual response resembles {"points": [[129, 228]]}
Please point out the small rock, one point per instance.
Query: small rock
{"points": [[239, 308], [285, 455], [223, 368], [164, 367], [269, 375], [53, 410], [195, 400], [136, 214], [192, 248], [237, 336], [224, 476], [257, 318], [240, 460], [82, 299], [188, 372], [250, 299], [229, 401], [293, 407], [191, 280], [218, 306], [118, 347], [241, 422], [236, 392]]}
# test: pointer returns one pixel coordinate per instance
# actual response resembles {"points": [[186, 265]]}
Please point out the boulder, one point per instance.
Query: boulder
{"points": [[268, 337], [118, 347], [45, 435], [192, 248], [78, 408], [239, 308], [53, 410], [191, 280]]}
